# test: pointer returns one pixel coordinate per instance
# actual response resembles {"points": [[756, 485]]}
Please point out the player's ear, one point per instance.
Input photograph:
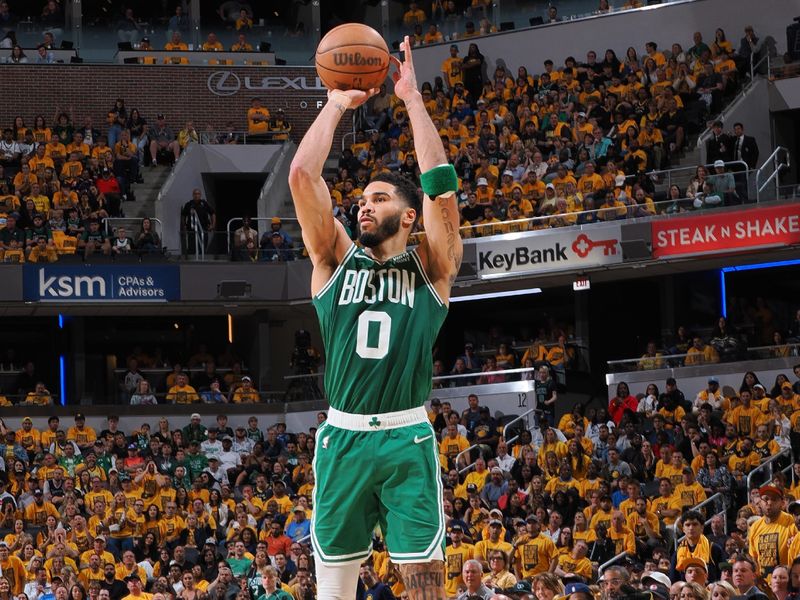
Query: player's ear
{"points": [[409, 217]]}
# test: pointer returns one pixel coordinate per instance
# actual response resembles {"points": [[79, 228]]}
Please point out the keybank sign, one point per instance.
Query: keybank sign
{"points": [[101, 283]]}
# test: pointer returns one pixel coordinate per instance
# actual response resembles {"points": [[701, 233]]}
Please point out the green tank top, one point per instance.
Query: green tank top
{"points": [[379, 322]]}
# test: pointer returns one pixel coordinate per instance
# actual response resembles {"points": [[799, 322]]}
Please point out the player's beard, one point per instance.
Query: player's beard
{"points": [[386, 229]]}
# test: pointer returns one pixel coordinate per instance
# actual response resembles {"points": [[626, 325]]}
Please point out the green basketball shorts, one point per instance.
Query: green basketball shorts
{"points": [[377, 470]]}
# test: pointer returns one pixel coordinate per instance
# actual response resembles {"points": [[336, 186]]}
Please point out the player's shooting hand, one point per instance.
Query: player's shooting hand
{"points": [[355, 98], [405, 79]]}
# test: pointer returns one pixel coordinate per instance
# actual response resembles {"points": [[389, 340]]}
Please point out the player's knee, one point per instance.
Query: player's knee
{"points": [[337, 581]]}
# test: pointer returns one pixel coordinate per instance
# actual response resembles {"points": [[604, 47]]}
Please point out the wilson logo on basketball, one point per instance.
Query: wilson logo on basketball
{"points": [[356, 59]]}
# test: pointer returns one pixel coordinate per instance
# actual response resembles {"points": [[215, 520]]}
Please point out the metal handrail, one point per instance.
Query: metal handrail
{"points": [[133, 220], [545, 221], [199, 237], [608, 563], [691, 168], [625, 361], [767, 463], [483, 373], [708, 500], [508, 425], [462, 453], [778, 167], [754, 66], [232, 220]]}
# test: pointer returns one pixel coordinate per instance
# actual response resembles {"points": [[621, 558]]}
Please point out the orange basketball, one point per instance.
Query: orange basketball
{"points": [[352, 56]]}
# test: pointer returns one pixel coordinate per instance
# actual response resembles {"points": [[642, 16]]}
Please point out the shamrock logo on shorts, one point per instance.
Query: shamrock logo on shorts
{"points": [[374, 422]]}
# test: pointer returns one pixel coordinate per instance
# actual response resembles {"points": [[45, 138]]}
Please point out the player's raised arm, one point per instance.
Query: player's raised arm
{"points": [[441, 251], [324, 238]]}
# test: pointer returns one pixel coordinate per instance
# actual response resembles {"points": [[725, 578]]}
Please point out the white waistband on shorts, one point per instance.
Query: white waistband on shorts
{"points": [[377, 422]]}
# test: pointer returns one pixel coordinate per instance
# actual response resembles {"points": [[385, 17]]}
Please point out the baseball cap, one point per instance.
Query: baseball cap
{"points": [[27, 420], [482, 181], [658, 577], [550, 186], [694, 561], [456, 527], [759, 386], [719, 164], [299, 508], [496, 512], [472, 488], [507, 172], [211, 541], [227, 438], [132, 446], [102, 538], [713, 380], [160, 116], [38, 492], [210, 458], [581, 114], [496, 470], [521, 587], [246, 377], [495, 522], [767, 490], [619, 180], [577, 588], [276, 220], [195, 416]]}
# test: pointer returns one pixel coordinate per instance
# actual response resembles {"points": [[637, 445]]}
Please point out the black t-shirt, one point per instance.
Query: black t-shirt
{"points": [[544, 391], [471, 213], [203, 209]]}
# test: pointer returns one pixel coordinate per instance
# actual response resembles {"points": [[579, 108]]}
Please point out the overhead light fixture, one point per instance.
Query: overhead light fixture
{"points": [[492, 295]]}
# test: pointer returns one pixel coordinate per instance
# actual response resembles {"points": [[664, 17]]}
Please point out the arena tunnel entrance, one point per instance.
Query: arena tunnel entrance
{"points": [[233, 195]]}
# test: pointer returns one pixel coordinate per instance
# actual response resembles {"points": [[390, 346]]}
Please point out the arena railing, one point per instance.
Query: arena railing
{"points": [[682, 205], [713, 498], [110, 224], [229, 230], [766, 466], [673, 360], [779, 161], [625, 364], [523, 417], [215, 137], [315, 381], [611, 562]]}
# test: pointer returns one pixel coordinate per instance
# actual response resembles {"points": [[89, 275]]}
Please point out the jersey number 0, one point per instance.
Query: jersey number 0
{"points": [[366, 320]]}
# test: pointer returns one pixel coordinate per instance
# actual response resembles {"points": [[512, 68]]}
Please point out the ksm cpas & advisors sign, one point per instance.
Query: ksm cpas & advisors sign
{"points": [[101, 283]]}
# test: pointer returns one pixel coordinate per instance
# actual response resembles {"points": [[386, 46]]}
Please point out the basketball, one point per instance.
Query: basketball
{"points": [[352, 57]]}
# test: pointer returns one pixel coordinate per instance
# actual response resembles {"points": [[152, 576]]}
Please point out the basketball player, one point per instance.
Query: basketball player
{"points": [[380, 308]]}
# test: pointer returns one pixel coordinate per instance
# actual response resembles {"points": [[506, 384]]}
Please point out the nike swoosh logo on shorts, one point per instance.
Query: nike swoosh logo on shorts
{"points": [[419, 440]]}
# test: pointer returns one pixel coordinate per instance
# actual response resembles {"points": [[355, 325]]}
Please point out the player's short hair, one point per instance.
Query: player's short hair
{"points": [[405, 187]]}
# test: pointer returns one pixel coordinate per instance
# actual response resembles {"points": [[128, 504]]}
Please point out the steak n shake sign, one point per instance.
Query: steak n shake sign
{"points": [[550, 250]]}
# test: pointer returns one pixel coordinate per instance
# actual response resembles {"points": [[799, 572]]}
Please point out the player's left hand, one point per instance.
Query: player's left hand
{"points": [[405, 79]]}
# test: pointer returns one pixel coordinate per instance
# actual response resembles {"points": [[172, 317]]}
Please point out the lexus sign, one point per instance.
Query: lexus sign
{"points": [[228, 83]]}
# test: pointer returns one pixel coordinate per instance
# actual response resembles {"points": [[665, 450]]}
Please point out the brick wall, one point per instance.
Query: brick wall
{"points": [[180, 92]]}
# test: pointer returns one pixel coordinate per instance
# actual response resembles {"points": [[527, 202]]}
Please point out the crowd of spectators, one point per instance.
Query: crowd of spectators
{"points": [[60, 181], [194, 510], [724, 343], [570, 144]]}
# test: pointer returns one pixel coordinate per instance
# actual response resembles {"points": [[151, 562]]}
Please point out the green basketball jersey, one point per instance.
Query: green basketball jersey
{"points": [[379, 322]]}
